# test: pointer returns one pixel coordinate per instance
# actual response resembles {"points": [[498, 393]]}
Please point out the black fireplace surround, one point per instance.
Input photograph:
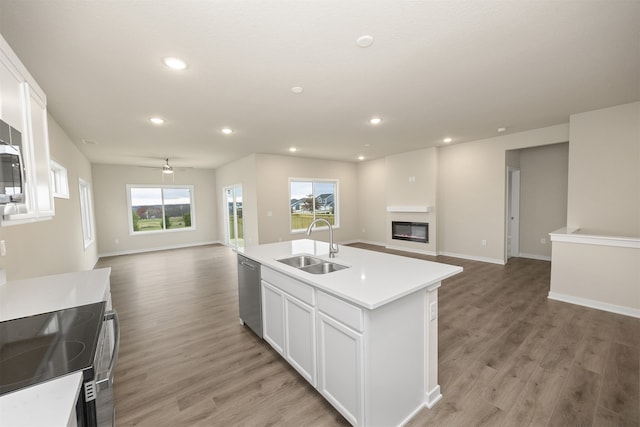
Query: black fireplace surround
{"points": [[411, 231]]}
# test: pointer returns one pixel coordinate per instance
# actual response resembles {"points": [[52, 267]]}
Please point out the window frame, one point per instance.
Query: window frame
{"points": [[59, 180], [336, 203], [191, 189], [86, 212]]}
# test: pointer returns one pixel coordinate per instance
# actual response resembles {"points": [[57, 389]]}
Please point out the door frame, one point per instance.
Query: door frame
{"points": [[227, 231], [512, 218]]}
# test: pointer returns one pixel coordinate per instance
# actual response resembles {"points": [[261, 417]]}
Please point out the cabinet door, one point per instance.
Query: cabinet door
{"points": [[40, 147], [340, 368], [12, 101], [273, 317], [300, 350]]}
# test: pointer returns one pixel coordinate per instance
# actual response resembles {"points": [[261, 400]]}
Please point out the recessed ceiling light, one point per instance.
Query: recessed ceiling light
{"points": [[502, 130], [375, 120], [293, 149], [447, 140], [175, 63], [360, 157], [364, 41], [297, 90], [157, 120], [227, 131]]}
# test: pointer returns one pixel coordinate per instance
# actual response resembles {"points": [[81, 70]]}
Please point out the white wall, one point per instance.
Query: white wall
{"points": [[471, 192], [112, 212], [241, 172], [604, 171], [543, 197], [54, 246], [372, 198], [411, 181], [603, 200], [273, 173]]}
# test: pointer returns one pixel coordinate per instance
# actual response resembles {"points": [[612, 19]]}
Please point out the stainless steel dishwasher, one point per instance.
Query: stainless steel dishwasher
{"points": [[249, 294]]}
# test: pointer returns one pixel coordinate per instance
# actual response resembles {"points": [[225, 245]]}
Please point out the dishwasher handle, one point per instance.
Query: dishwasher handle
{"points": [[108, 380], [250, 266]]}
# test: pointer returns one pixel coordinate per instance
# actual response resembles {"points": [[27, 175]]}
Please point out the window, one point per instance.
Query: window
{"points": [[312, 199], [59, 180], [86, 212], [161, 209]]}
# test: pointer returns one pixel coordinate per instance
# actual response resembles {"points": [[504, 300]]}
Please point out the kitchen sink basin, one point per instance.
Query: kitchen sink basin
{"points": [[323, 268], [300, 261], [311, 264]]}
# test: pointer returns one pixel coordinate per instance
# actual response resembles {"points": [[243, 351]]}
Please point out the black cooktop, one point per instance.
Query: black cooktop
{"points": [[40, 348]]}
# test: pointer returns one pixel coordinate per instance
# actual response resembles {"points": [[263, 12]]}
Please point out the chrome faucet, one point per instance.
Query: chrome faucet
{"points": [[333, 249]]}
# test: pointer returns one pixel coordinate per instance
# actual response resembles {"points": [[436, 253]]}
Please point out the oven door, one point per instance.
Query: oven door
{"points": [[105, 365]]}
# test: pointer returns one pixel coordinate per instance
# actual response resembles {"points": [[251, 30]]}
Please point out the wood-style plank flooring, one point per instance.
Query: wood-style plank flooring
{"points": [[508, 355]]}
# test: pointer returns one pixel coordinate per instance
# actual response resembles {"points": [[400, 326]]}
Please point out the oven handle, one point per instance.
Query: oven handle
{"points": [[108, 380]]}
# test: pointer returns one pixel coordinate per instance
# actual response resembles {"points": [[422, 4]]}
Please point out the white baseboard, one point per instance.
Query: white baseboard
{"points": [[473, 258], [599, 305], [415, 251], [534, 256], [370, 242], [433, 397], [158, 248]]}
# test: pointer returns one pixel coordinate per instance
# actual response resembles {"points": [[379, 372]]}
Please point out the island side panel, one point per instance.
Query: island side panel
{"points": [[431, 350], [395, 360]]}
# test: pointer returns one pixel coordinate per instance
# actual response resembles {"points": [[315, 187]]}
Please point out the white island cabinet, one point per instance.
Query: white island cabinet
{"points": [[365, 336], [288, 322]]}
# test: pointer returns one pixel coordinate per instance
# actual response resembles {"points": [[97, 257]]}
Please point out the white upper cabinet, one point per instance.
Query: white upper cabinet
{"points": [[23, 105]]}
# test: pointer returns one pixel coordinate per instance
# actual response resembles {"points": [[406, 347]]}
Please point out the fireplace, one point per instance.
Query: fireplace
{"points": [[412, 231]]}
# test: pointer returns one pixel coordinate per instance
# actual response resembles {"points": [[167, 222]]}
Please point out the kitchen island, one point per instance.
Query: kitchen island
{"points": [[365, 336]]}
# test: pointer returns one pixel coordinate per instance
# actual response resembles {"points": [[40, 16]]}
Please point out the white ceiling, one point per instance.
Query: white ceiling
{"points": [[435, 69]]}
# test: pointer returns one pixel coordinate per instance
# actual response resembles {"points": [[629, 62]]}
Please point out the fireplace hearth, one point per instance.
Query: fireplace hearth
{"points": [[411, 231]]}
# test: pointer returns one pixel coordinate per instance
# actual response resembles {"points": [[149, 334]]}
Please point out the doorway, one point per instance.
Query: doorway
{"points": [[513, 212], [234, 230]]}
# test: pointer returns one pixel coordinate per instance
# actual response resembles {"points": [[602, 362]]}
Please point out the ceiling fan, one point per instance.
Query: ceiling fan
{"points": [[166, 168]]}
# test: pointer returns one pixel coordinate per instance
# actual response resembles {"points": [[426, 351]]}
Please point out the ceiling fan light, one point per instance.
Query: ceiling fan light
{"points": [[166, 168]]}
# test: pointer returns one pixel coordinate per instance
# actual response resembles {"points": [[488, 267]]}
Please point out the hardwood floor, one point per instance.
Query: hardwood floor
{"points": [[508, 355]]}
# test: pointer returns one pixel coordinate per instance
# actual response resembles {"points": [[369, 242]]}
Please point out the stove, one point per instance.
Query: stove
{"points": [[46, 346]]}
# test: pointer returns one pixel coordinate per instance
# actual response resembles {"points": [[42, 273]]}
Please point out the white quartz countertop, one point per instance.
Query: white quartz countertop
{"points": [[372, 279], [20, 298], [46, 404], [51, 403]]}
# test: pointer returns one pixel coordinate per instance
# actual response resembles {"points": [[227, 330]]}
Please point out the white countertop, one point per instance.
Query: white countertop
{"points": [[53, 402], [373, 279], [20, 298], [46, 404]]}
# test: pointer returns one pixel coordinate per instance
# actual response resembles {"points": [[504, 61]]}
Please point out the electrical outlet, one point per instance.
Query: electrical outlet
{"points": [[484, 242], [543, 241], [433, 309]]}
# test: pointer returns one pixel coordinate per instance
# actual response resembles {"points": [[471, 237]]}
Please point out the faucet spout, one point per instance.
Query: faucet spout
{"points": [[333, 249]]}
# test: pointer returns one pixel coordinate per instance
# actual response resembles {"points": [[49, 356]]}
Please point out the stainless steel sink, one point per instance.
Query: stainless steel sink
{"points": [[323, 268], [300, 261], [311, 264]]}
